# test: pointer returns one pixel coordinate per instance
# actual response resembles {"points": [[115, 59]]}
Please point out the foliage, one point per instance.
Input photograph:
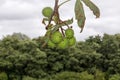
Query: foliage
{"points": [[3, 76], [53, 22], [28, 78], [115, 77], [25, 59], [73, 76], [99, 75], [22, 57]]}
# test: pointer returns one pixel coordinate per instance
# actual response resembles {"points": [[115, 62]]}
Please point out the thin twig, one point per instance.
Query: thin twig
{"points": [[62, 30], [65, 23], [63, 3], [55, 11]]}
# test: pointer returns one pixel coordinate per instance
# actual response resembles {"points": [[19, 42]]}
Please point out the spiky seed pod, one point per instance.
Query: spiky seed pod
{"points": [[63, 44], [47, 11], [69, 33], [72, 41], [56, 37]]}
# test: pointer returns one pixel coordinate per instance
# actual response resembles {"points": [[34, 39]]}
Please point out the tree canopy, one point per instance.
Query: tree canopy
{"points": [[22, 58]]}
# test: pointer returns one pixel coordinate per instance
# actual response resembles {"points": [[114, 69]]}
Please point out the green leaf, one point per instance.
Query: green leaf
{"points": [[56, 27], [81, 23], [93, 7], [79, 14], [67, 22], [64, 23]]}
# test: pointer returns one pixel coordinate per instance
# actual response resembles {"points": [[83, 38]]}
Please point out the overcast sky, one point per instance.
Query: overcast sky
{"points": [[25, 16]]}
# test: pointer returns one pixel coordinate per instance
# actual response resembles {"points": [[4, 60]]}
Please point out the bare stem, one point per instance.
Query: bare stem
{"points": [[55, 11], [56, 5], [63, 3], [62, 30]]}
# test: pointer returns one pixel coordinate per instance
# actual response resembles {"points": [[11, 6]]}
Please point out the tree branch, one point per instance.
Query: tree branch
{"points": [[54, 12]]}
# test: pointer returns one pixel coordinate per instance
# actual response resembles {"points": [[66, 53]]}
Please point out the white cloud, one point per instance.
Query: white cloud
{"points": [[30, 27], [16, 10]]}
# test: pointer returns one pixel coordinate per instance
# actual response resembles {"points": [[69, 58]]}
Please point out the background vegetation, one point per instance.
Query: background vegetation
{"points": [[96, 58]]}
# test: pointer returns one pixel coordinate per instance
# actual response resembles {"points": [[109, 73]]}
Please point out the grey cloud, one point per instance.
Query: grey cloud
{"points": [[30, 27], [22, 9], [2, 2], [15, 10], [109, 19]]}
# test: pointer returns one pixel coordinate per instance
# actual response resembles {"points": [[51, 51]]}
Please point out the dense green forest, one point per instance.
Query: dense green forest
{"points": [[96, 58]]}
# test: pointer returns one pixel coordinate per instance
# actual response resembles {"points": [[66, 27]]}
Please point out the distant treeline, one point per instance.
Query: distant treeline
{"points": [[96, 58]]}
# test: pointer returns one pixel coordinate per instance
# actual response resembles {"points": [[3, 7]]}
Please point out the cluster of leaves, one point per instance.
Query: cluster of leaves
{"points": [[21, 57], [53, 22], [80, 14], [97, 58]]}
